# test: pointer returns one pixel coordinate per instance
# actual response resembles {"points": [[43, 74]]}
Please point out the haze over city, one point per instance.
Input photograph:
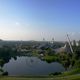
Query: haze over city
{"points": [[35, 19]]}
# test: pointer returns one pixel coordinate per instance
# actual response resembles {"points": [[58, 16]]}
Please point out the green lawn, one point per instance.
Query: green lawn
{"points": [[71, 77], [71, 72]]}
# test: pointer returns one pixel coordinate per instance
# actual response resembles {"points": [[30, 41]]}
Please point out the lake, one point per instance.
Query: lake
{"points": [[24, 65]]}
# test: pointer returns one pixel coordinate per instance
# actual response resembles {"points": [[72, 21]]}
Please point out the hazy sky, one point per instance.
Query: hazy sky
{"points": [[35, 19]]}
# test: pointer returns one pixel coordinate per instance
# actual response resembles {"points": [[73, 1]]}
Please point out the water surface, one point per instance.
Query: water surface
{"points": [[31, 66]]}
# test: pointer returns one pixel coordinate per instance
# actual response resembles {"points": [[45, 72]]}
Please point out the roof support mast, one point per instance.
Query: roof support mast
{"points": [[70, 44]]}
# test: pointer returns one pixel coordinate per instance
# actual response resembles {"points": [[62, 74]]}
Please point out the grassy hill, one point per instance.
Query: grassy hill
{"points": [[70, 77]]}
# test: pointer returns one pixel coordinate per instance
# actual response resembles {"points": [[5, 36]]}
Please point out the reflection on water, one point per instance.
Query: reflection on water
{"points": [[31, 66], [18, 64]]}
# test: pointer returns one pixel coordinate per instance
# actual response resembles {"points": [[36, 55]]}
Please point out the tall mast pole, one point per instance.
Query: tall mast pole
{"points": [[70, 44]]}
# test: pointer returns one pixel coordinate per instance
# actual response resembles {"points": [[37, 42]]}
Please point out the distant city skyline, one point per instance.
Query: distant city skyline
{"points": [[38, 19]]}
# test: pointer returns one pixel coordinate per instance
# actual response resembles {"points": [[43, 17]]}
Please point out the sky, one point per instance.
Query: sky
{"points": [[38, 19]]}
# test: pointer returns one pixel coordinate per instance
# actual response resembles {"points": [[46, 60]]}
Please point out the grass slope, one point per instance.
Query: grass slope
{"points": [[71, 77]]}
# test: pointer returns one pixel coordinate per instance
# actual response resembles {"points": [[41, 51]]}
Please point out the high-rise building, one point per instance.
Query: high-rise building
{"points": [[73, 43]]}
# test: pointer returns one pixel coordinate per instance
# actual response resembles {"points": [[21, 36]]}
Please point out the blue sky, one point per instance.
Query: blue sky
{"points": [[35, 19]]}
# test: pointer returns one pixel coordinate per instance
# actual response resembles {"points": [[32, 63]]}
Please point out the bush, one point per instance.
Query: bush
{"points": [[5, 73], [56, 73]]}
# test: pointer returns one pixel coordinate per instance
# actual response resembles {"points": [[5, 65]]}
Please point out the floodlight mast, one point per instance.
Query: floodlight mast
{"points": [[70, 44]]}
